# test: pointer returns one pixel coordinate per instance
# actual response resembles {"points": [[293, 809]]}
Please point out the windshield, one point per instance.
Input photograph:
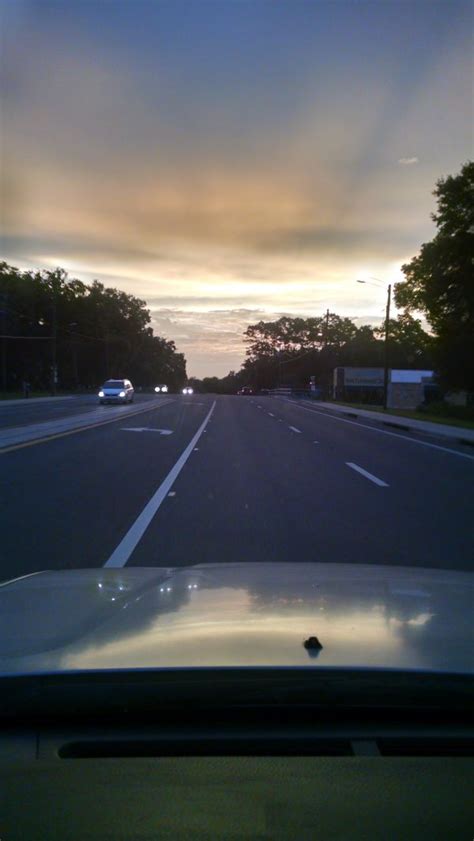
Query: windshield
{"points": [[260, 215]]}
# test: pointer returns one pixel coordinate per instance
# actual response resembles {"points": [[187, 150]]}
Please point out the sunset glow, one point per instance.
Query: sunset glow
{"points": [[230, 161]]}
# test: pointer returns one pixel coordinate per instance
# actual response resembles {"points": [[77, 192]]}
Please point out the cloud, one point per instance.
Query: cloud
{"points": [[219, 193], [212, 341]]}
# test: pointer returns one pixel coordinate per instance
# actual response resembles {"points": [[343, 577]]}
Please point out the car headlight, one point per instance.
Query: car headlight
{"points": [[122, 394], [165, 388], [157, 388], [185, 390], [101, 394], [190, 391]]}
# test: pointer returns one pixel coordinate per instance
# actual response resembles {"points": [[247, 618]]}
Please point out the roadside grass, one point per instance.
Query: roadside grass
{"points": [[413, 414]]}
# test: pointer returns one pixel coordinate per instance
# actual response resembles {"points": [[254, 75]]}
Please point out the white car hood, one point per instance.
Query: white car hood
{"points": [[255, 614]]}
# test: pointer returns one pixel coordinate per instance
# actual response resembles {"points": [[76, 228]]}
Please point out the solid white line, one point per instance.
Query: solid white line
{"points": [[367, 475], [383, 431], [295, 429], [121, 554]]}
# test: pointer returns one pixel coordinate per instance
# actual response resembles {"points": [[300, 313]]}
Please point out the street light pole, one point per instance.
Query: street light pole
{"points": [[54, 345], [387, 336], [386, 354]]}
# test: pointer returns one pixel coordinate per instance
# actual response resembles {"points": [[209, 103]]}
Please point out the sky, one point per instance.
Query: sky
{"points": [[229, 161]]}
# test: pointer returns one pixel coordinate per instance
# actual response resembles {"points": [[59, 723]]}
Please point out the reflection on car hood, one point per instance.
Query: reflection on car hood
{"points": [[237, 615]]}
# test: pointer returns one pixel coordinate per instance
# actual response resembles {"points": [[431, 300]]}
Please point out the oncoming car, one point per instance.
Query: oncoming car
{"points": [[116, 391], [162, 388], [188, 390]]}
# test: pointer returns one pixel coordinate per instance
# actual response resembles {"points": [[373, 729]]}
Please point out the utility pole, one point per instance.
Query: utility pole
{"points": [[54, 342], [4, 305], [386, 355], [387, 332], [327, 378]]}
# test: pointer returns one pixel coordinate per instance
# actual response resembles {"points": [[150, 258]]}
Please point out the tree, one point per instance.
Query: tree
{"points": [[410, 345], [90, 332], [290, 336], [439, 281]]}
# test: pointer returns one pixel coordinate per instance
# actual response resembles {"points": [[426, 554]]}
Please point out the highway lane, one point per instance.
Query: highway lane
{"points": [[66, 502], [264, 490], [254, 486], [35, 411]]}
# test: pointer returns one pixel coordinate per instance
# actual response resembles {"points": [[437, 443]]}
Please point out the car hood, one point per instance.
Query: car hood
{"points": [[257, 614]]}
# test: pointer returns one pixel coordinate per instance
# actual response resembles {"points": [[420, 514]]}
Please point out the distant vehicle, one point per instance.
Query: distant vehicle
{"points": [[116, 391], [245, 390], [163, 388], [188, 390]]}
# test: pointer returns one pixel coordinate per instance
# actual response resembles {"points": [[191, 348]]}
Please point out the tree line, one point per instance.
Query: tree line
{"points": [[289, 351], [58, 332], [438, 284]]}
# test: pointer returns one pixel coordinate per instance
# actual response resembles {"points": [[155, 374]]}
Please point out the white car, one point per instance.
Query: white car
{"points": [[187, 390], [116, 391]]}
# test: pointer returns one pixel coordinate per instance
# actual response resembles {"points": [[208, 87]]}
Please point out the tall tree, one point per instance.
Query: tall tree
{"points": [[439, 280], [87, 332]]}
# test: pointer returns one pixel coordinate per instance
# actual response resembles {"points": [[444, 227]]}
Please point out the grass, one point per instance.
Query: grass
{"points": [[414, 414]]}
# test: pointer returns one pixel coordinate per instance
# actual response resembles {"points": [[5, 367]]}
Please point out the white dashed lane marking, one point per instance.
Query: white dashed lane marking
{"points": [[367, 475]]}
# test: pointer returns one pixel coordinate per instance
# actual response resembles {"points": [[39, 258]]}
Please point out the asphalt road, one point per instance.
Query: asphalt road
{"points": [[232, 479], [35, 411]]}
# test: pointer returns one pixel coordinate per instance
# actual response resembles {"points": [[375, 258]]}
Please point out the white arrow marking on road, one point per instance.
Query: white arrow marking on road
{"points": [[122, 552], [146, 429]]}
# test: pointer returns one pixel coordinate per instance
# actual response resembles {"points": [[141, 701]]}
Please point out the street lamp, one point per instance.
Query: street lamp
{"points": [[387, 322]]}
